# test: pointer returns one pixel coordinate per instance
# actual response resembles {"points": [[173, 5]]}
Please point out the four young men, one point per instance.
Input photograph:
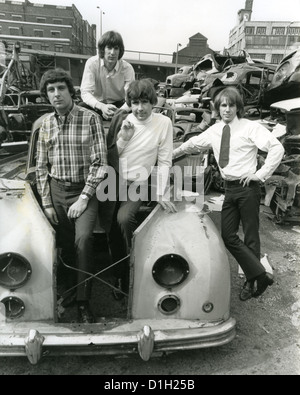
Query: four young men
{"points": [[72, 162]]}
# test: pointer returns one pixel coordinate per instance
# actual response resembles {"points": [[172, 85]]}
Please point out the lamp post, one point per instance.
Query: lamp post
{"points": [[287, 36], [100, 28], [176, 64]]}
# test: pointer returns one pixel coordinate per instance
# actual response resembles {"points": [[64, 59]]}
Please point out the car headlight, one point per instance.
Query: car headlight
{"points": [[15, 270], [170, 270], [169, 304], [14, 307]]}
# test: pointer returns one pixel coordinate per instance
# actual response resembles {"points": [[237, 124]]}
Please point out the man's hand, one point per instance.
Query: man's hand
{"points": [[168, 206], [108, 110], [248, 178], [127, 130], [51, 215], [77, 208]]}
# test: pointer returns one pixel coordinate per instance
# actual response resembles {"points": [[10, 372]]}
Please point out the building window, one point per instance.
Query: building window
{"points": [[40, 19], [14, 31], [258, 56], [2, 15], [278, 31], [249, 30], [38, 33], [293, 31], [44, 47], [57, 21], [276, 58], [28, 46], [261, 30], [16, 17], [277, 41], [58, 48], [55, 33]]}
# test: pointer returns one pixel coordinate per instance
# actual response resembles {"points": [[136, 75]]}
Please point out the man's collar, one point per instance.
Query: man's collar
{"points": [[116, 68], [67, 114], [232, 123]]}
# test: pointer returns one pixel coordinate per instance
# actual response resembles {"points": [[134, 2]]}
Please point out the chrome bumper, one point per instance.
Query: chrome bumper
{"points": [[35, 339]]}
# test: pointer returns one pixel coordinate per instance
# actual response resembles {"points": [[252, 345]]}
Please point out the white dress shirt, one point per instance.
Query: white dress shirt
{"points": [[246, 138], [100, 85]]}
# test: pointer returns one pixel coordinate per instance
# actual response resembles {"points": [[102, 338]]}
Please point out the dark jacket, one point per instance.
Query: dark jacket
{"points": [[107, 208]]}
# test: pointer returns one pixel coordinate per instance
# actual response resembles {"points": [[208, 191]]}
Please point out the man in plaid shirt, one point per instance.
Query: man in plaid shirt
{"points": [[71, 162]]}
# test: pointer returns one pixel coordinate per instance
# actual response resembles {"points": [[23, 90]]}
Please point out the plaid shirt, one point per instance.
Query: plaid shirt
{"points": [[71, 148]]}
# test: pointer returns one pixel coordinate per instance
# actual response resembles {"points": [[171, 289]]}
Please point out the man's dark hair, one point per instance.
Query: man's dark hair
{"points": [[56, 75], [141, 89], [111, 39], [233, 97]]}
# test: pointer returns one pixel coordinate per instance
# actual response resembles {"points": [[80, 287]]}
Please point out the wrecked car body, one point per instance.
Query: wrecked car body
{"points": [[178, 79], [282, 189], [249, 79], [179, 292], [20, 103], [18, 111], [285, 84], [215, 63]]}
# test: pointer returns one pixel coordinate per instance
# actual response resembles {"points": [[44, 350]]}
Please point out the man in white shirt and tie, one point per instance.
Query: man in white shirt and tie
{"points": [[237, 159]]}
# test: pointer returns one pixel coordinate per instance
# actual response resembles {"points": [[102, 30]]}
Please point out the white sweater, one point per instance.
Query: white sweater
{"points": [[151, 144]]}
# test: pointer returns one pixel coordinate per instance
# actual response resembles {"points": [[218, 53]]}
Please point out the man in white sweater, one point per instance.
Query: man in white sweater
{"points": [[141, 141]]}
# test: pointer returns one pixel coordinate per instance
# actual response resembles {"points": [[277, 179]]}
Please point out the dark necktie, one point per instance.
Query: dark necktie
{"points": [[224, 149]]}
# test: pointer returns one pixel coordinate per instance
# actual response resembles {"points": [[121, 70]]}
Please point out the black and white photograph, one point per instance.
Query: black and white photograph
{"points": [[150, 190]]}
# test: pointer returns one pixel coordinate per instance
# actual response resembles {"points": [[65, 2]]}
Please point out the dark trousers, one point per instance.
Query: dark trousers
{"points": [[241, 205], [124, 224], [75, 237]]}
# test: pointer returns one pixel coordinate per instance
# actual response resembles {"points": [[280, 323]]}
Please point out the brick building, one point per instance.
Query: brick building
{"points": [[49, 35], [45, 27], [194, 51]]}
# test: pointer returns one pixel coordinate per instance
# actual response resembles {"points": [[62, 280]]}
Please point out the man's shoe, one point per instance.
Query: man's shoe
{"points": [[246, 291], [262, 282], [85, 316]]}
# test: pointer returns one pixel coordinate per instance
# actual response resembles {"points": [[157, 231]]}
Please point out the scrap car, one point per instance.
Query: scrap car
{"points": [[179, 292], [285, 83], [250, 79], [18, 111], [20, 103], [282, 189]]}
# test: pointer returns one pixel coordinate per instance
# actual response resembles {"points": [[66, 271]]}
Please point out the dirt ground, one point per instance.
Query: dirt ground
{"points": [[267, 340]]}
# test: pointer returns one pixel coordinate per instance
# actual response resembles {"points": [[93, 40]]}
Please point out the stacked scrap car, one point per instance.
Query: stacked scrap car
{"points": [[282, 189]]}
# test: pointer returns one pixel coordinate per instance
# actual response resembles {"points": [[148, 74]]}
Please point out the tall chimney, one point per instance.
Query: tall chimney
{"points": [[249, 5]]}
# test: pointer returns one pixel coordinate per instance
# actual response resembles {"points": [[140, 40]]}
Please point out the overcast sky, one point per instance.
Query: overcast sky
{"points": [[158, 25]]}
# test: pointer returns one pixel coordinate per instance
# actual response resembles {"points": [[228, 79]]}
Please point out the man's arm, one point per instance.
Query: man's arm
{"points": [[41, 171], [42, 179], [164, 163], [193, 145], [98, 167], [267, 142], [88, 83]]}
